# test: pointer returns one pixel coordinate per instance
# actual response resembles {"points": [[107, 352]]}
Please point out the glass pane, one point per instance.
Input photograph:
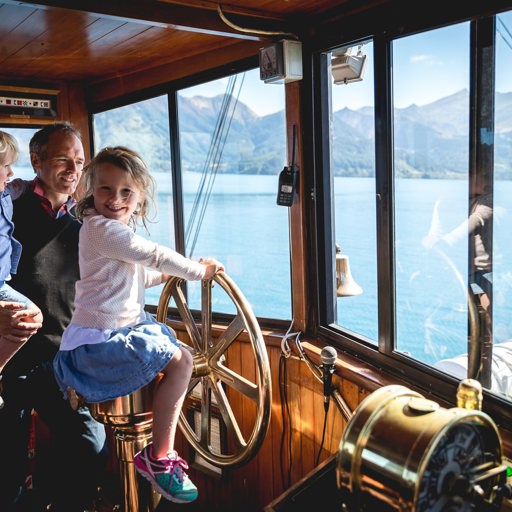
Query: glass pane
{"points": [[232, 145], [431, 127], [22, 168], [502, 220], [353, 167], [144, 127]]}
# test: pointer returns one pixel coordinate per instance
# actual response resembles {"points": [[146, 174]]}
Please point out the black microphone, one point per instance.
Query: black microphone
{"points": [[328, 356]]}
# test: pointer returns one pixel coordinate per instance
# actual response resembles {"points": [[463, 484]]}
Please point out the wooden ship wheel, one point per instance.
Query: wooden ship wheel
{"points": [[223, 376]]}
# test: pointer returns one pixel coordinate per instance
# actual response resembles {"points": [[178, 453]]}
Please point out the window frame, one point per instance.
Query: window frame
{"points": [[171, 90], [383, 356]]}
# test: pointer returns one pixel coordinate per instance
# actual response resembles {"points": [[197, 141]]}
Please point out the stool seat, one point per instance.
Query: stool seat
{"points": [[129, 410]]}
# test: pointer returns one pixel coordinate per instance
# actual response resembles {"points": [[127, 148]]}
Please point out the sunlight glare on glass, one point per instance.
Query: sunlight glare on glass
{"points": [[261, 98], [503, 75], [426, 68]]}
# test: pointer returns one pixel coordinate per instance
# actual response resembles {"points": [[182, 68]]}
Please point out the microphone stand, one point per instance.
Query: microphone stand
{"points": [[340, 402], [342, 405]]}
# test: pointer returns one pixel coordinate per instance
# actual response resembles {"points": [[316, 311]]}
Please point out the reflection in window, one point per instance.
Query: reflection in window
{"points": [[144, 127], [502, 220], [431, 162], [232, 148], [353, 168]]}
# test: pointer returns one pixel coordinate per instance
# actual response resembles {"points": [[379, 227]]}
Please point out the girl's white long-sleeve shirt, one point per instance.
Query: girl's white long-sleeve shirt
{"points": [[116, 266]]}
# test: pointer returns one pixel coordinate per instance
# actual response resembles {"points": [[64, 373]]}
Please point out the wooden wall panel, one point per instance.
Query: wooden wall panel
{"points": [[279, 465]]}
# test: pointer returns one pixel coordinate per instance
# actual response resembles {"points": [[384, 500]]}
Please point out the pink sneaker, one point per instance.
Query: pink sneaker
{"points": [[166, 475]]}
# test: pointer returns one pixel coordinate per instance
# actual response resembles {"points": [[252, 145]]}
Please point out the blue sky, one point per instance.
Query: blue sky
{"points": [[426, 67]]}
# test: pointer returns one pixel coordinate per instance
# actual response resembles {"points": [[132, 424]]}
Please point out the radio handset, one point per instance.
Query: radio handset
{"points": [[288, 178], [287, 185]]}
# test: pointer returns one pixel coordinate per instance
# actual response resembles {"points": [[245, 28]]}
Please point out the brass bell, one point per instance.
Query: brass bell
{"points": [[345, 283]]}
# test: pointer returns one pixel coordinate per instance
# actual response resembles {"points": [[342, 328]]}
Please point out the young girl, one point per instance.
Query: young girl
{"points": [[113, 346], [19, 317]]}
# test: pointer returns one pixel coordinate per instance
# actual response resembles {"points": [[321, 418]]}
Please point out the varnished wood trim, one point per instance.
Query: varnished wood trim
{"points": [[28, 90], [115, 86], [77, 113], [25, 120], [351, 368], [298, 222]]}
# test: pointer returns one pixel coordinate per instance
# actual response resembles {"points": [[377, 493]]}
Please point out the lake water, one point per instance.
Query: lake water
{"points": [[243, 227], [431, 299]]}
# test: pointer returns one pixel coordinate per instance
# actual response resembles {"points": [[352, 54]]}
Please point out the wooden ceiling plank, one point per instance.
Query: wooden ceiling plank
{"points": [[113, 29], [153, 12], [162, 50], [255, 8], [11, 16], [149, 50], [143, 51], [268, 9], [24, 30], [50, 51], [112, 41], [73, 33], [18, 39]]}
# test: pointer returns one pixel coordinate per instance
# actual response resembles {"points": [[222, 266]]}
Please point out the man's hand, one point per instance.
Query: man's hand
{"points": [[18, 324]]}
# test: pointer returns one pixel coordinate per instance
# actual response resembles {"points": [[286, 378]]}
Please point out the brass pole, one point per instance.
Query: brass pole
{"points": [[138, 493], [132, 420]]}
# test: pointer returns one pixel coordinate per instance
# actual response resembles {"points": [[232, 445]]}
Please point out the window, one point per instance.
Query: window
{"points": [[431, 170], [436, 275], [501, 310], [22, 168], [144, 127], [232, 147], [353, 169]]}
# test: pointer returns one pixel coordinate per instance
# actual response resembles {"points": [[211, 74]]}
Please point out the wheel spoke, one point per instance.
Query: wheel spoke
{"points": [[206, 314], [206, 403], [174, 289], [225, 340], [228, 416], [236, 381]]}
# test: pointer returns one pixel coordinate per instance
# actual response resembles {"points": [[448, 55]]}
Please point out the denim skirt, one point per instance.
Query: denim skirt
{"points": [[129, 359]]}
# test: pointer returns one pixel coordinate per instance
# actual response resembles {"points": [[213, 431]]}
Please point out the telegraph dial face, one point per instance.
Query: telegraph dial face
{"points": [[445, 483]]}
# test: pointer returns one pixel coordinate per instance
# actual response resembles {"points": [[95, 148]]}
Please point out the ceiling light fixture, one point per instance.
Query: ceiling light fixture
{"points": [[347, 68]]}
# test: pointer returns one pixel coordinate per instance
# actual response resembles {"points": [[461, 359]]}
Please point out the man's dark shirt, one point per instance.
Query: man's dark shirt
{"points": [[47, 273]]}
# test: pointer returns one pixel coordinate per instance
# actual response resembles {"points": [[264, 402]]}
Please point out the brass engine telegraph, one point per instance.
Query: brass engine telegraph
{"points": [[401, 451]]}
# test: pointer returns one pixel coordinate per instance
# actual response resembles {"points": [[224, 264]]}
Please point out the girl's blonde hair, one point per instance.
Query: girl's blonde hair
{"points": [[130, 162], [8, 144]]}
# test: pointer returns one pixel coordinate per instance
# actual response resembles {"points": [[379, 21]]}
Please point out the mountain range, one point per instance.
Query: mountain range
{"points": [[430, 141]]}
